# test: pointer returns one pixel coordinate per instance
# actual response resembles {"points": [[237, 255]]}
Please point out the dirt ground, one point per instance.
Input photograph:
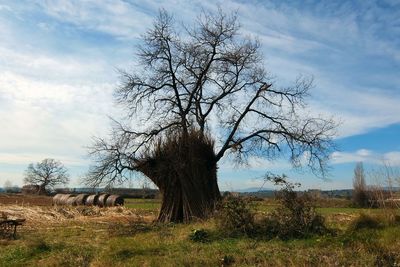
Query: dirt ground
{"points": [[20, 199]]}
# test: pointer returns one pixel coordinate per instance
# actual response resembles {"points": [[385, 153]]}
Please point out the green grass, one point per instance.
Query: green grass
{"points": [[143, 204], [146, 244]]}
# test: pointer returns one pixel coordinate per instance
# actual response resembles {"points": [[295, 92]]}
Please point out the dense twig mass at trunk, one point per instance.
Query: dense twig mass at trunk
{"points": [[184, 169]]}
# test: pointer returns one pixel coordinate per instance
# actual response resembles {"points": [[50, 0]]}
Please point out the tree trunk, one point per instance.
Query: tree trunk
{"points": [[42, 190], [185, 171]]}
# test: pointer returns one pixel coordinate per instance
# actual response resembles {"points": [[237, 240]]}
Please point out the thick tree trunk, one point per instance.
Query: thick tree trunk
{"points": [[185, 171]]}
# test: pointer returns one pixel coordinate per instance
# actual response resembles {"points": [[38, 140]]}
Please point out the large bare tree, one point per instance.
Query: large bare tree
{"points": [[197, 97], [46, 174]]}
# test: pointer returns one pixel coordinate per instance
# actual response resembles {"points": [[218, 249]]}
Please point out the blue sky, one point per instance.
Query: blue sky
{"points": [[58, 62]]}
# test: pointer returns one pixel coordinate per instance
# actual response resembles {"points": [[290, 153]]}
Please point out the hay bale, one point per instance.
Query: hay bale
{"points": [[81, 199], [114, 200], [61, 199], [71, 201], [102, 200], [56, 199], [92, 200]]}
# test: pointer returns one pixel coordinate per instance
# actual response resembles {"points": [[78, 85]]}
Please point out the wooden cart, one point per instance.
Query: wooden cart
{"points": [[8, 228]]}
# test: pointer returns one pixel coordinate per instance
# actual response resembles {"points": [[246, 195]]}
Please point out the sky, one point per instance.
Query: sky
{"points": [[59, 61]]}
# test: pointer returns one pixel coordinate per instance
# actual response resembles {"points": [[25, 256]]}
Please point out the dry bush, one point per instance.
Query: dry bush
{"points": [[234, 216], [296, 217], [374, 221], [365, 221], [383, 193]]}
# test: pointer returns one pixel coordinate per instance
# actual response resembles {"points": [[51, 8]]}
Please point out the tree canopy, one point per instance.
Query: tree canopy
{"points": [[46, 174]]}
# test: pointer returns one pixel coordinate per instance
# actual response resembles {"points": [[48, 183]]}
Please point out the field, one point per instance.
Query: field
{"points": [[90, 236]]}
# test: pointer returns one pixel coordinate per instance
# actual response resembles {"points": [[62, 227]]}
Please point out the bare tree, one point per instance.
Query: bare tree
{"points": [[210, 76], [46, 174], [386, 178], [360, 191]]}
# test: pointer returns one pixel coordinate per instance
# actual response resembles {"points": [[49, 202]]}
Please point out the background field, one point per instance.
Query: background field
{"points": [[126, 236]]}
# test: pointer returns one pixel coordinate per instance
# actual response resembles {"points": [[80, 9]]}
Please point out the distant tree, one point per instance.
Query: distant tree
{"points": [[46, 174], [195, 99], [360, 191], [8, 186]]}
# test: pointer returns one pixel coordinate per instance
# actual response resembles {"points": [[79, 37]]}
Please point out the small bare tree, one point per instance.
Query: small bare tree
{"points": [[46, 174], [210, 76], [386, 179], [360, 191]]}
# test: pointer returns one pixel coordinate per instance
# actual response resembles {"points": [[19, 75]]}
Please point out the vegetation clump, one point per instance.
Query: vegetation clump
{"points": [[234, 216], [296, 217], [365, 221], [199, 235]]}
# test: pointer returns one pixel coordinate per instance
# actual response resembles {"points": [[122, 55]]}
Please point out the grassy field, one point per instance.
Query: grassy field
{"points": [[127, 237]]}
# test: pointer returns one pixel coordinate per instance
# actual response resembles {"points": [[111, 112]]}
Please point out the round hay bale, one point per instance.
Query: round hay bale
{"points": [[56, 199], [102, 200], [114, 200], [92, 200], [81, 199], [71, 201], [62, 199]]}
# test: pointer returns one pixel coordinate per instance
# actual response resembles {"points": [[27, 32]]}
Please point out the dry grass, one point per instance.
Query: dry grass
{"points": [[37, 216]]}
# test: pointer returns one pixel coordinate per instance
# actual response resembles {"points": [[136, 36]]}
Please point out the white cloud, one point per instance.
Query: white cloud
{"points": [[44, 118], [52, 67], [24, 159], [114, 17], [392, 158], [5, 8], [359, 111], [367, 156]]}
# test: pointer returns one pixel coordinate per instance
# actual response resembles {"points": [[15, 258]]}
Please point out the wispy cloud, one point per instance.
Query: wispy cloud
{"points": [[115, 17], [368, 156]]}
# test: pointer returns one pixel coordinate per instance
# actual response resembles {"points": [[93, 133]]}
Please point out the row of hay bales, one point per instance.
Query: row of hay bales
{"points": [[101, 200]]}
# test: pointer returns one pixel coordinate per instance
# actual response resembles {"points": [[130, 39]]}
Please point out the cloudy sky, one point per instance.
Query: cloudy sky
{"points": [[58, 62]]}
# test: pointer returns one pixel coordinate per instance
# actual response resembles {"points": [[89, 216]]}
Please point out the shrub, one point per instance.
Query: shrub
{"points": [[296, 217], [365, 221], [199, 235], [234, 216]]}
